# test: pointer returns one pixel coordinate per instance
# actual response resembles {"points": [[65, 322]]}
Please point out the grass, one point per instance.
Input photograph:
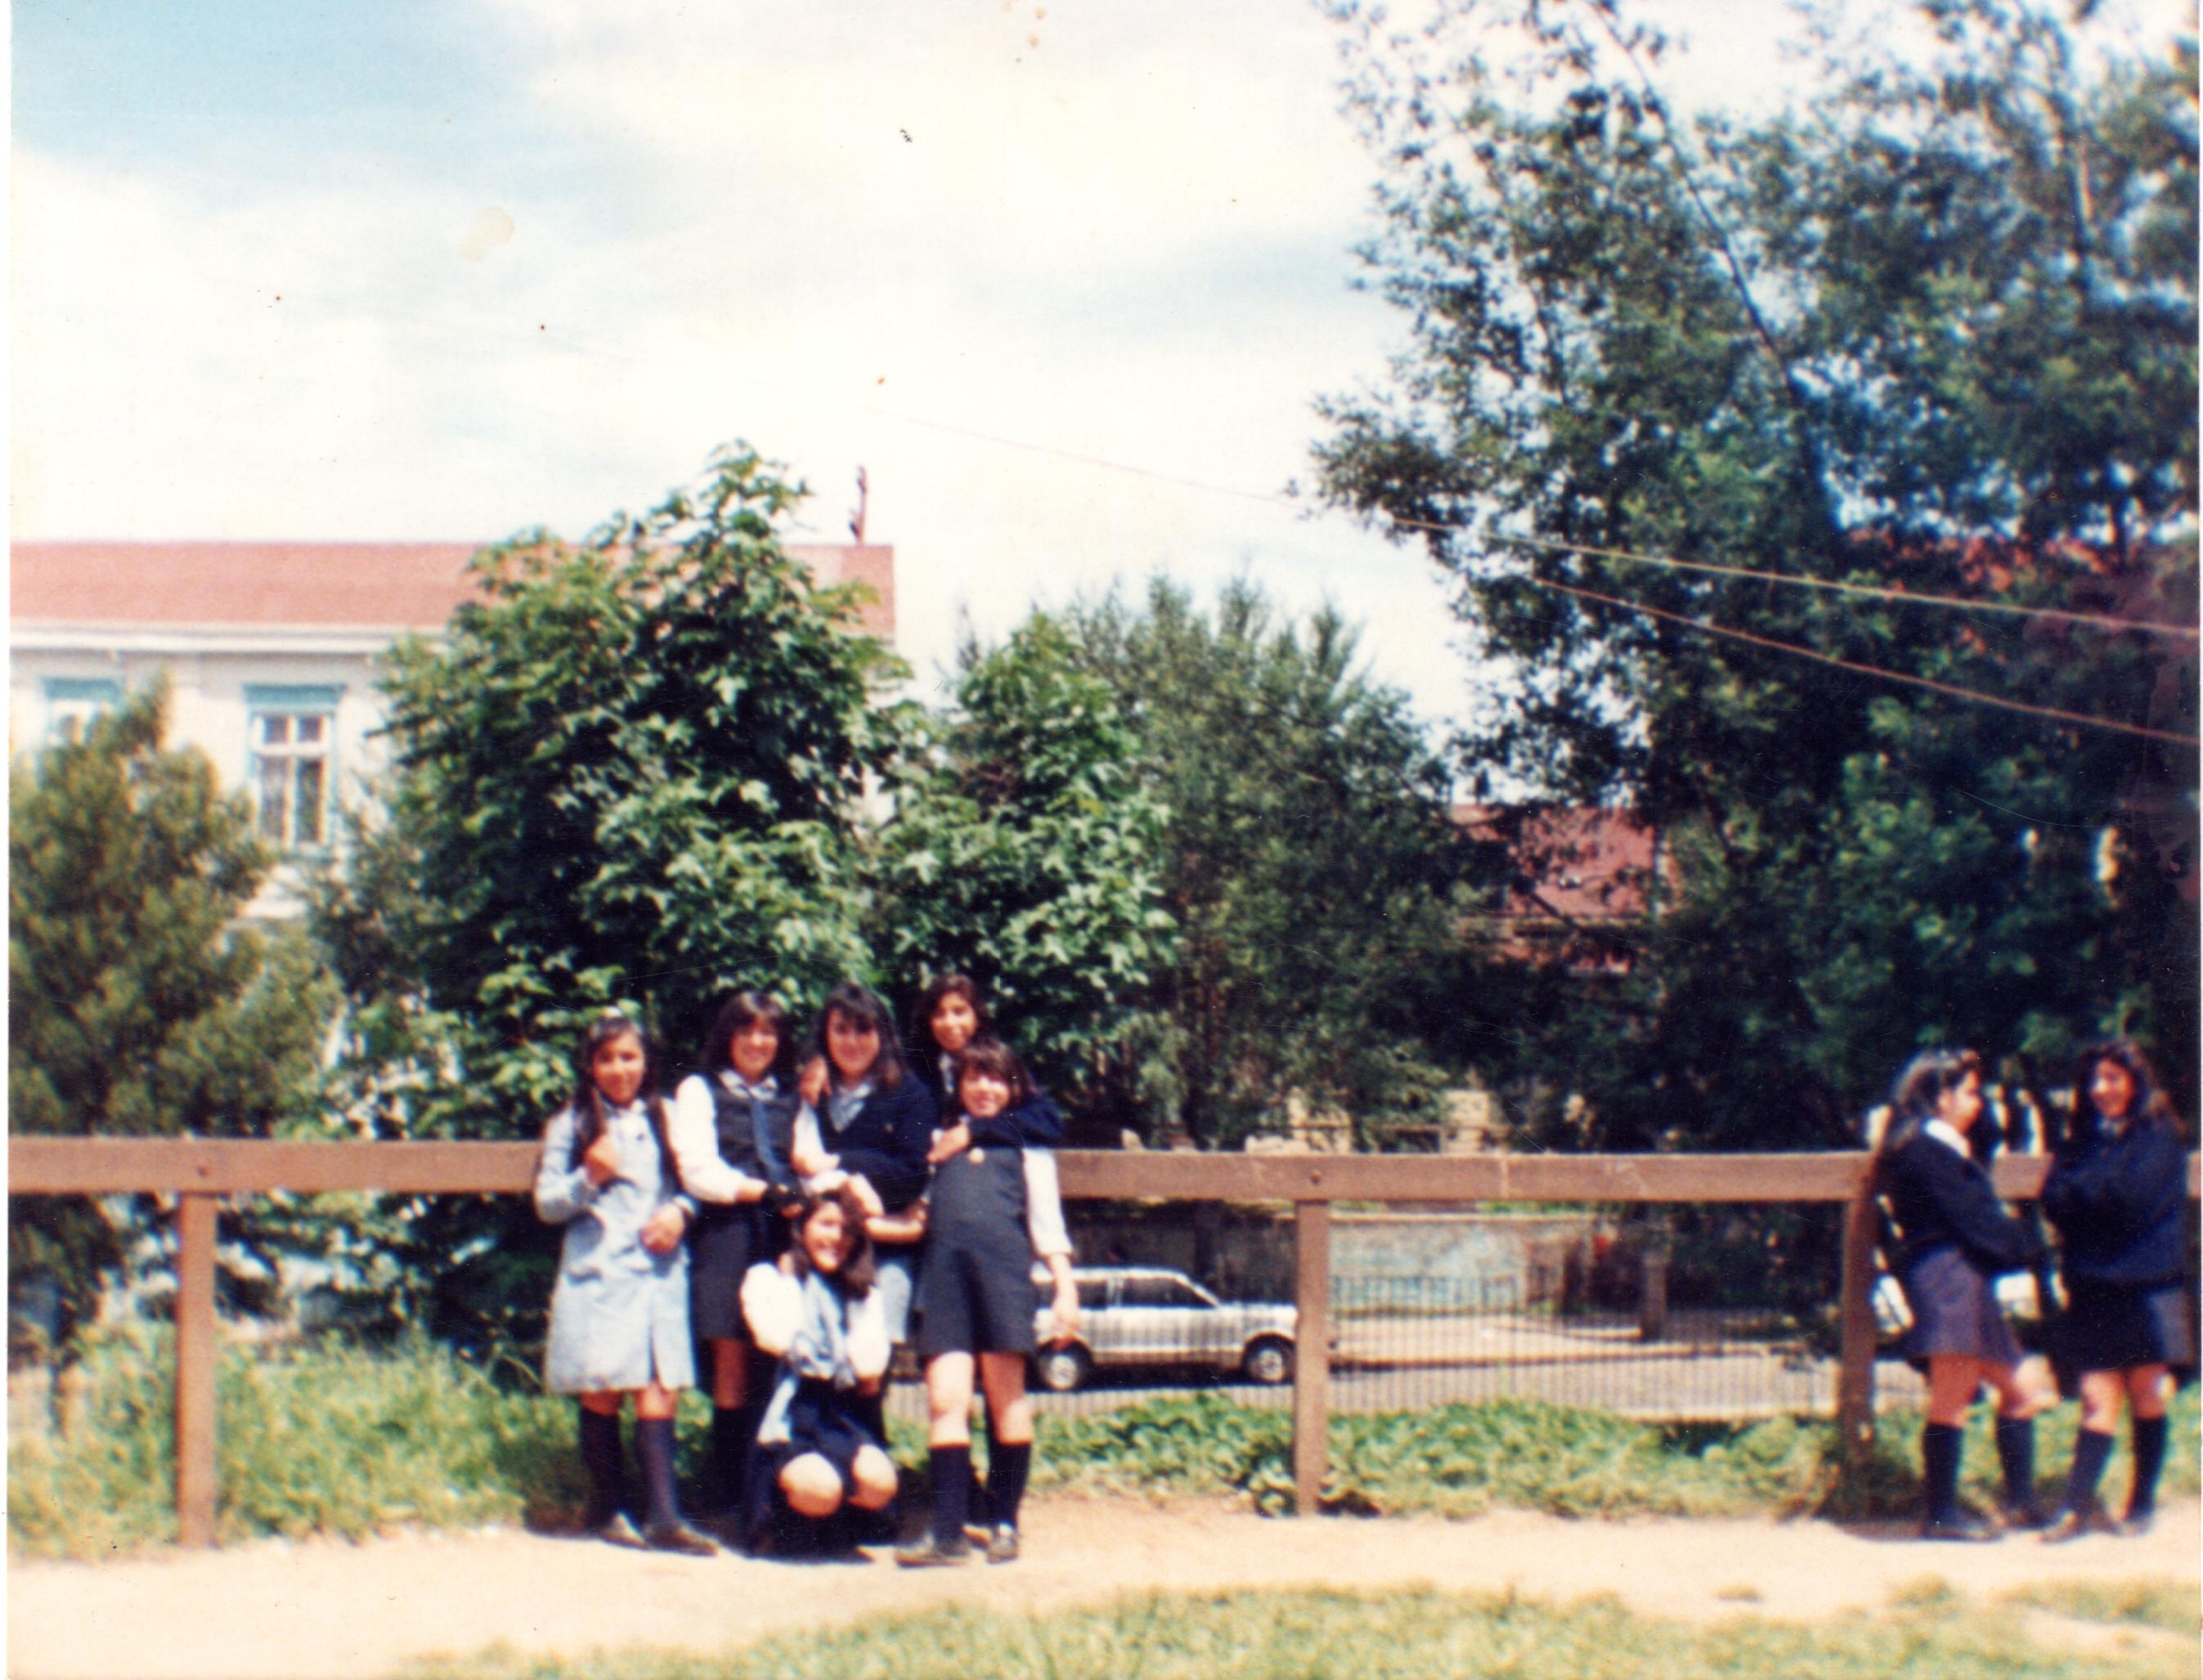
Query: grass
{"points": [[324, 1438], [2149, 1604], [1413, 1634]]}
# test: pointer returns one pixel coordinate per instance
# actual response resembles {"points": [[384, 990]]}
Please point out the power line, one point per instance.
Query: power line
{"points": [[1857, 669]]}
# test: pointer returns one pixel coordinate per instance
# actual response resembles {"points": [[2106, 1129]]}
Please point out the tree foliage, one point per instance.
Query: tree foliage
{"points": [[138, 1004], [1933, 333]]}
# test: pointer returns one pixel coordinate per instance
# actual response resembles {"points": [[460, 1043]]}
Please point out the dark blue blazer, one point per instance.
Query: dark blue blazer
{"points": [[1942, 1198], [2116, 1202], [887, 1140]]}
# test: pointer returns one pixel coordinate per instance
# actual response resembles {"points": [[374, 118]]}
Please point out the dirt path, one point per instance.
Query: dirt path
{"points": [[329, 1609]]}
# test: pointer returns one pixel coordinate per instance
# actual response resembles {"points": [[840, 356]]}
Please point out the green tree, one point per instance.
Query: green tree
{"points": [[1933, 332], [138, 1004], [1030, 857], [634, 772]]}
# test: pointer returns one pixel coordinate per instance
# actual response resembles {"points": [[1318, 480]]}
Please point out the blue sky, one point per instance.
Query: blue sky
{"points": [[328, 268]]}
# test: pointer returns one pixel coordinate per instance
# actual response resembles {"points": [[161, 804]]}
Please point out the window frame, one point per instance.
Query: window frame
{"points": [[80, 701], [295, 702]]}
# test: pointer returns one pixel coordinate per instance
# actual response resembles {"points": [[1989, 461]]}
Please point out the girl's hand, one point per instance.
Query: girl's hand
{"points": [[1064, 1313], [601, 1160], [810, 1082], [953, 1141], [809, 1164], [867, 1198], [661, 1232], [750, 1190]]}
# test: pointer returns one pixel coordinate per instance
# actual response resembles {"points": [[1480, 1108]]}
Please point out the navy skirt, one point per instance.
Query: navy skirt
{"points": [[724, 1243], [1955, 1312], [2117, 1327]]}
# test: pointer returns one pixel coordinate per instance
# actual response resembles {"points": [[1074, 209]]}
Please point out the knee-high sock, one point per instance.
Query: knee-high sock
{"points": [[729, 1452], [2091, 1447], [950, 1470], [2148, 1440], [1941, 1445], [1006, 1468], [600, 1457], [653, 1449], [2015, 1442]]}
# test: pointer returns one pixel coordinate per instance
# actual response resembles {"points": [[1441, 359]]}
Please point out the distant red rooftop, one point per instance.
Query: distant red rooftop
{"points": [[311, 585]]}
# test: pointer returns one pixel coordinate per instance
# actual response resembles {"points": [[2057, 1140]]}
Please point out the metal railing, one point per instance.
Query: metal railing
{"points": [[199, 1173]]}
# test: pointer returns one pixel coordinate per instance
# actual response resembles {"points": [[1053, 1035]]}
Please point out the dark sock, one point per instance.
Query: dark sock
{"points": [[1940, 1447], [600, 1458], [2090, 1449], [2015, 1444], [950, 1472], [653, 1450], [2148, 1459], [981, 1510], [722, 1478], [1006, 1468]]}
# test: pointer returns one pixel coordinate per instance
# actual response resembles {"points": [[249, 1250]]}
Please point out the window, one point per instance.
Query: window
{"points": [[294, 735], [73, 702]]}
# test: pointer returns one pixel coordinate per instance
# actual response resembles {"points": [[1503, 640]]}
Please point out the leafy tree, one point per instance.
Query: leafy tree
{"points": [[633, 772], [138, 1004], [1030, 858], [1932, 334]]}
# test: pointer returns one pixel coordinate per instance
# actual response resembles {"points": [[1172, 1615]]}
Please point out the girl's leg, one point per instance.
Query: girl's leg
{"points": [[1952, 1381], [2017, 1401], [2100, 1393], [606, 1513], [2144, 1387], [734, 1421], [813, 1486], [948, 1462], [874, 1473], [654, 1407], [1010, 1422]]}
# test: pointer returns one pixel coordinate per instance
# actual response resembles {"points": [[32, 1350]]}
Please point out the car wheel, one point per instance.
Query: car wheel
{"points": [[1269, 1362], [1062, 1368]]}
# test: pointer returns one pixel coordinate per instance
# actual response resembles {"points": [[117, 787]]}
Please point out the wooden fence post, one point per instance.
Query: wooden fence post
{"points": [[1855, 1367], [1312, 1354], [195, 1361]]}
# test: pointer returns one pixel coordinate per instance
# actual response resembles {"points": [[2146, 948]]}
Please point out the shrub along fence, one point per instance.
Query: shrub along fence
{"points": [[199, 1174]]}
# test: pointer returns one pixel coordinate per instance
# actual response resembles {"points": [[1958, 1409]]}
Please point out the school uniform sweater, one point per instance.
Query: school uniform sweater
{"points": [[2117, 1199], [880, 1134], [1942, 1198]]}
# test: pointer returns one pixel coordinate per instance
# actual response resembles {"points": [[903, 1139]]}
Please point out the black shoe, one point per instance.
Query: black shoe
{"points": [[1962, 1525], [1002, 1544], [679, 1537], [2071, 1524], [931, 1551], [2134, 1524], [2028, 1516], [621, 1530]]}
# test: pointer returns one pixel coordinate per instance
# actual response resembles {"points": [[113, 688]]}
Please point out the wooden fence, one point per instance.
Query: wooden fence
{"points": [[199, 1173]]}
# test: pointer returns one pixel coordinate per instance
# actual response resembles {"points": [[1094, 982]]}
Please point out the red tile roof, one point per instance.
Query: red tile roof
{"points": [[1582, 863], [352, 585]]}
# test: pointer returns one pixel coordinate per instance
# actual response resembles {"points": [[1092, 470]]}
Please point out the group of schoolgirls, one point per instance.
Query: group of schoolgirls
{"points": [[2115, 1194], [794, 1212]]}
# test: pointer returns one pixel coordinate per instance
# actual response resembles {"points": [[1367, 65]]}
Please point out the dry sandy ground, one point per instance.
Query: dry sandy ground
{"points": [[327, 1608]]}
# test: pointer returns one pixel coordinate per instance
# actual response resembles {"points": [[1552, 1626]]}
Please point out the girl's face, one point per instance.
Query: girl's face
{"points": [[1961, 1105], [754, 1048], [852, 1045], [2112, 1091], [617, 1069], [826, 1237], [984, 1096], [954, 1022]]}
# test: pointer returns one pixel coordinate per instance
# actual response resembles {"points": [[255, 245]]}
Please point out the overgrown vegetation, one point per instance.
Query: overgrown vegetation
{"points": [[1411, 1635], [333, 1439], [2150, 1604]]}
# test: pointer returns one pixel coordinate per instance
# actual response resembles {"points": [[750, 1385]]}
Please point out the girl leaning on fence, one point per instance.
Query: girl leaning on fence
{"points": [[2116, 1192], [619, 1313], [1955, 1238]]}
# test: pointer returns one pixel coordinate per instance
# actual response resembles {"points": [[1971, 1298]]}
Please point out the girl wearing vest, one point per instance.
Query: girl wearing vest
{"points": [[817, 1308], [734, 1125], [1956, 1237], [2116, 1192], [993, 1211], [619, 1314]]}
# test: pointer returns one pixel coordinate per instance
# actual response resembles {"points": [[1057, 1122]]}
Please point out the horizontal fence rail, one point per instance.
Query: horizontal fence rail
{"points": [[199, 1172]]}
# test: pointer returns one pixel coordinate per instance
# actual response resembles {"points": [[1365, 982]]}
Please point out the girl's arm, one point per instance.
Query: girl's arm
{"points": [[693, 1129], [808, 1154], [1051, 1238], [1037, 1123], [907, 1226], [868, 1348], [772, 1307], [562, 1191]]}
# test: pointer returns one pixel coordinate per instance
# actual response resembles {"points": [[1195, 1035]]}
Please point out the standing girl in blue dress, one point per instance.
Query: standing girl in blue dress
{"points": [[619, 1313], [2116, 1192], [993, 1211], [734, 1126], [1956, 1237]]}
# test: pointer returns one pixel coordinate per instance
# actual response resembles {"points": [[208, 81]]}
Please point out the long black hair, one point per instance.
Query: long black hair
{"points": [[740, 1012], [858, 1003], [2150, 1106], [588, 1103], [1920, 1088], [855, 1277], [991, 1056], [947, 986]]}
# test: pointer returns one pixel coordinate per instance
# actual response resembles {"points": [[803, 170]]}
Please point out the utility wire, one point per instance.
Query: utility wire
{"points": [[1854, 666]]}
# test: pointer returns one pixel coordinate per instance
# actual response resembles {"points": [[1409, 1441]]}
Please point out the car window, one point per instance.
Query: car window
{"points": [[1161, 1292], [1093, 1291]]}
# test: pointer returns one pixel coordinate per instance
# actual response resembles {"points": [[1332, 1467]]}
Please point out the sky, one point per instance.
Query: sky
{"points": [[1065, 278]]}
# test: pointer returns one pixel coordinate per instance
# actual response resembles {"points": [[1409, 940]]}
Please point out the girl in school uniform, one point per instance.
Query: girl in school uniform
{"points": [[2116, 1192], [950, 1014], [733, 1127], [817, 1310], [992, 1212], [619, 1313], [1955, 1238]]}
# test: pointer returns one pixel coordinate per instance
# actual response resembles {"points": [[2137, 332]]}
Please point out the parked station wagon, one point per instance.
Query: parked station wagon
{"points": [[1144, 1316]]}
